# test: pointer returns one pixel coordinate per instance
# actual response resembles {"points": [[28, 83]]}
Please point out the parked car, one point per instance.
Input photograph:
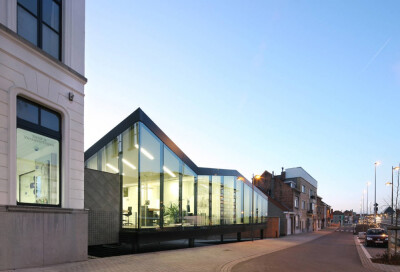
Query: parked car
{"points": [[376, 236]]}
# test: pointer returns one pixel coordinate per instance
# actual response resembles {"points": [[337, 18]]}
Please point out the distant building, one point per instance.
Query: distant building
{"points": [[297, 190], [338, 217]]}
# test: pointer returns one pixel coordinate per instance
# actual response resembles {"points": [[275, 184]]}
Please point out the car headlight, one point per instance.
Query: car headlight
{"points": [[369, 238]]}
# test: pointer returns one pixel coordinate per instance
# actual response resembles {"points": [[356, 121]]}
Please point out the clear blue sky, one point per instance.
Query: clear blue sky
{"points": [[256, 85]]}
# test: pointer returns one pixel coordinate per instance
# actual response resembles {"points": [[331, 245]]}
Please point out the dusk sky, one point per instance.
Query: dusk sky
{"points": [[256, 85]]}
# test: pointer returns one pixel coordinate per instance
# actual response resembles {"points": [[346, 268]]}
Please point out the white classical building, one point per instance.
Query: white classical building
{"points": [[42, 217]]}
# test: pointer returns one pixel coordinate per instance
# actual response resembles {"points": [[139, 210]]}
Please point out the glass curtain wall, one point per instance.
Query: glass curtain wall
{"points": [[247, 204], [150, 178], [172, 173], [216, 200], [144, 161], [203, 200], [229, 200], [188, 187], [239, 201], [130, 177]]}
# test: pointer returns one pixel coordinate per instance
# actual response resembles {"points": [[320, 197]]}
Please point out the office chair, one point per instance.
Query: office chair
{"points": [[128, 214]]}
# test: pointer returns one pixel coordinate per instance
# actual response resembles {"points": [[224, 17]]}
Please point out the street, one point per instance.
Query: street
{"points": [[332, 252]]}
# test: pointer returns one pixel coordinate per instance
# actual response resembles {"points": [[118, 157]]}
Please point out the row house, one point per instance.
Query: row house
{"points": [[295, 189]]}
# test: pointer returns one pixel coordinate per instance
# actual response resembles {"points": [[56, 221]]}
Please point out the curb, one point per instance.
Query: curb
{"points": [[365, 258]]}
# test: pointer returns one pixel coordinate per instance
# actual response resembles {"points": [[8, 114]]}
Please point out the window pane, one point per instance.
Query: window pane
{"points": [[49, 120], [150, 171], [188, 196], [247, 204], [239, 201], [51, 13], [229, 200], [91, 163], [27, 111], [38, 169], [216, 200], [172, 216], [50, 42], [30, 5], [203, 200], [130, 177], [27, 26], [108, 157]]}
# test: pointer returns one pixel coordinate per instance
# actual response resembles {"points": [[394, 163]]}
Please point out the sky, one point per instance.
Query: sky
{"points": [[256, 85]]}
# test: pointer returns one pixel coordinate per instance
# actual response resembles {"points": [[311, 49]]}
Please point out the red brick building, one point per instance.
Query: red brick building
{"points": [[295, 189]]}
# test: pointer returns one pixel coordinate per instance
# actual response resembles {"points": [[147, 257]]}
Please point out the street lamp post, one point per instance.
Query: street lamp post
{"points": [[391, 183], [375, 204], [368, 183], [252, 204]]}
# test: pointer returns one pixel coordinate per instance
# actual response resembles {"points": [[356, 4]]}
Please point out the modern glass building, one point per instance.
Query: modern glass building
{"points": [[162, 188]]}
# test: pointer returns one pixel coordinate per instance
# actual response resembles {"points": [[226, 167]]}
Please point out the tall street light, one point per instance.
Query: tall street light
{"points": [[368, 184], [391, 183], [257, 177], [375, 204]]}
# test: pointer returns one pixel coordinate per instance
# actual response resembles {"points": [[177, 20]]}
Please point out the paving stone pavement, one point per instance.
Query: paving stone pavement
{"points": [[368, 264], [211, 258]]}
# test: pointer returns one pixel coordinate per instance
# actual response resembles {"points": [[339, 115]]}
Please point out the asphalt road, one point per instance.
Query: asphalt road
{"points": [[332, 252]]}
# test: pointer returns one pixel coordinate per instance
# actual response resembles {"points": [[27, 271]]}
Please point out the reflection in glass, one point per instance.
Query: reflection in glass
{"points": [[27, 26], [188, 180], [49, 120], [247, 204], [108, 156], [171, 167], [229, 200], [130, 177], [51, 13], [27, 111], [50, 41], [239, 201], [38, 168], [91, 163], [150, 173], [203, 200], [216, 199]]}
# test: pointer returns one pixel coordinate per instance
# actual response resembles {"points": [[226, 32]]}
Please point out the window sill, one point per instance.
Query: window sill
{"points": [[39, 209]]}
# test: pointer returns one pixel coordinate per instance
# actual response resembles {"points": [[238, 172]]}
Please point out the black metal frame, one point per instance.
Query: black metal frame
{"points": [[37, 128], [41, 22], [139, 116]]}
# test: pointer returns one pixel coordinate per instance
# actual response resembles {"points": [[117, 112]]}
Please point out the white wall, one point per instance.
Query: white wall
{"points": [[73, 30], [25, 71]]}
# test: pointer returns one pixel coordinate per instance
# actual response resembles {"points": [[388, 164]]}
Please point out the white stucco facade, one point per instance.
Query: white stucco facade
{"points": [[35, 235], [27, 71]]}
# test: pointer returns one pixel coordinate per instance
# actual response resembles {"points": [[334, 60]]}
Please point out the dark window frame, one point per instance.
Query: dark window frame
{"points": [[41, 22], [41, 130]]}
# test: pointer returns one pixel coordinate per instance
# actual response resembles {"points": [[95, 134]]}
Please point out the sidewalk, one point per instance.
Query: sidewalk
{"points": [[368, 264], [211, 258]]}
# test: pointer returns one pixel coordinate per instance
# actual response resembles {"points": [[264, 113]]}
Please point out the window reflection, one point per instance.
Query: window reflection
{"points": [[130, 178], [247, 204], [188, 180], [172, 216], [150, 173], [216, 199], [229, 200], [203, 200]]}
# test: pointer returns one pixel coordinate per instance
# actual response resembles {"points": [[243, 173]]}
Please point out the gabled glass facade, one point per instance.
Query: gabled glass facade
{"points": [[171, 194]]}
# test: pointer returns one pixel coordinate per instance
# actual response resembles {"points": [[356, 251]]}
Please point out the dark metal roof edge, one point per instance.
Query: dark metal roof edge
{"points": [[139, 116]]}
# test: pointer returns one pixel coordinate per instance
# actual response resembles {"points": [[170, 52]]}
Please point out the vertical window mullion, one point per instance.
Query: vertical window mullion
{"points": [[39, 22]]}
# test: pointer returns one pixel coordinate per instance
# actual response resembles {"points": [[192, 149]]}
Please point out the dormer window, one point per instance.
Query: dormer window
{"points": [[39, 22]]}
